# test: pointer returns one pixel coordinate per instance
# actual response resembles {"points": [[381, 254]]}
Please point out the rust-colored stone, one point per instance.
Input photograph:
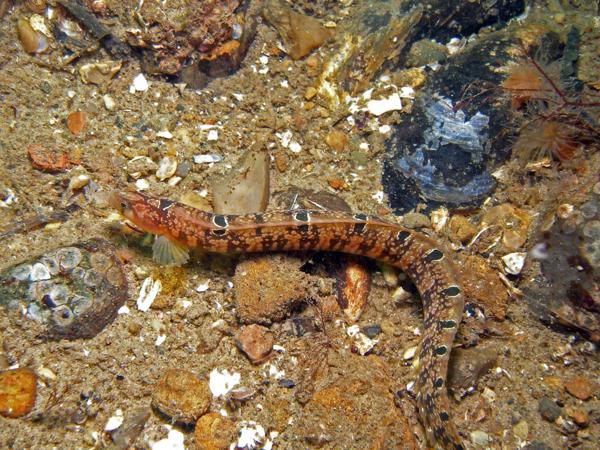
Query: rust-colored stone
{"points": [[579, 387], [181, 395], [482, 285], [76, 121], [48, 160], [214, 432], [256, 342], [18, 390]]}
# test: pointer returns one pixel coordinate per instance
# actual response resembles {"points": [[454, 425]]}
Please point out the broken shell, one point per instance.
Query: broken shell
{"points": [[514, 262], [78, 181], [409, 353], [166, 168], [439, 217], [32, 41], [99, 73]]}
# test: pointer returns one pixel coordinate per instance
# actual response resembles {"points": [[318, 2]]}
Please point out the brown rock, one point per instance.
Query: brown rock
{"points": [[579, 416], [300, 34], [18, 390], [416, 220], [265, 288], [461, 230], [181, 395], [214, 432], [48, 160], [256, 342], [76, 121], [483, 286], [361, 397], [337, 184], [579, 387], [336, 139], [468, 365]]}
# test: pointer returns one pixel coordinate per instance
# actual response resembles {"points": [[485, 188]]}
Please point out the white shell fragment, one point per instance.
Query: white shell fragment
{"points": [[439, 217], [514, 262], [364, 344], [213, 135], [114, 421], [221, 382], [142, 184], [109, 103], [251, 435], [166, 168], [165, 134], [379, 107], [203, 287], [148, 292], [139, 84], [175, 440], [407, 92], [409, 353], [202, 159]]}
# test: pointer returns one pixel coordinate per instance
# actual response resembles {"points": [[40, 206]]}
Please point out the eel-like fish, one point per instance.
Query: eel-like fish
{"points": [[179, 228]]}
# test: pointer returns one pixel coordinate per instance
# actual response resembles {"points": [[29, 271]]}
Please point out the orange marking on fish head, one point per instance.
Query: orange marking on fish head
{"points": [[143, 211]]}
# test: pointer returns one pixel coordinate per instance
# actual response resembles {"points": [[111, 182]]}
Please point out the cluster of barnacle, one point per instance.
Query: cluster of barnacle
{"points": [[61, 289], [561, 114], [44, 289]]}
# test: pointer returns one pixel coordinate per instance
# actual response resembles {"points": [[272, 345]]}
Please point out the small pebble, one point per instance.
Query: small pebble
{"points": [[537, 445], [214, 432], [256, 342], [409, 353], [548, 409], [18, 390], [109, 103], [183, 169], [461, 229], [140, 84], [372, 330], [521, 430], [579, 387], [286, 383], [480, 438], [416, 220], [78, 181], [579, 416], [566, 425], [76, 121], [310, 93], [336, 140], [181, 395], [139, 166]]}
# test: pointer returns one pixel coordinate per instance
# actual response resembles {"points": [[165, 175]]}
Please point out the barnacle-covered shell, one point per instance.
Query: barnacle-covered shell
{"points": [[74, 292]]}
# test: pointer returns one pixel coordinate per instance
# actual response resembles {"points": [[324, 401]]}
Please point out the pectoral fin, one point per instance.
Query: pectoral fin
{"points": [[168, 253]]}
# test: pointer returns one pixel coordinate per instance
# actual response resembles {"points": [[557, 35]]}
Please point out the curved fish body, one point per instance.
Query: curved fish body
{"points": [[182, 227]]}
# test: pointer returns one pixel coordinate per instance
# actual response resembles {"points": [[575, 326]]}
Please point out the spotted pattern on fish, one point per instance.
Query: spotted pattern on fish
{"points": [[416, 254]]}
